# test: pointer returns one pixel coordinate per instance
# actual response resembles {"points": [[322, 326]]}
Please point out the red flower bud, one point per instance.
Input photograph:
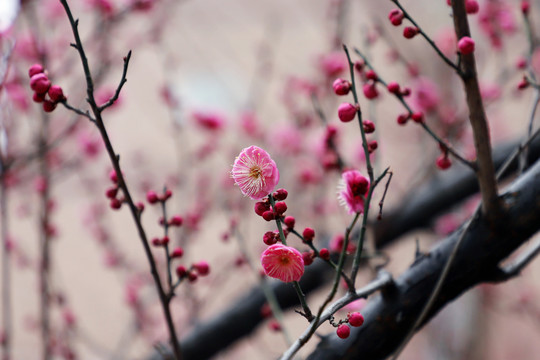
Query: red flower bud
{"points": [[346, 112]]}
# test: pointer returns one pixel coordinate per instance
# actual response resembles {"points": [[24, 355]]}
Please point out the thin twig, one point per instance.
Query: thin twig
{"points": [[428, 39], [135, 212], [379, 217], [123, 80], [384, 280], [331, 142], [425, 126]]}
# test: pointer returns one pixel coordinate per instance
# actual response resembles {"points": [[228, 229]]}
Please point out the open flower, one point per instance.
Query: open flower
{"points": [[283, 262], [255, 172], [352, 191]]}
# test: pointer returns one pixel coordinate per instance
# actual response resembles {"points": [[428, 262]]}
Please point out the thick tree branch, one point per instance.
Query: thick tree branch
{"points": [[389, 317], [442, 192]]}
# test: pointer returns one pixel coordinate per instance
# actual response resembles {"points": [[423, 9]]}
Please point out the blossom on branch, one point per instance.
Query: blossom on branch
{"points": [[283, 262], [255, 172], [352, 190]]}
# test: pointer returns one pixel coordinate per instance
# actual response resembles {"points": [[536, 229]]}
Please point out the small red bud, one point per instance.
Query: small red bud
{"points": [[111, 192], [165, 240], [40, 83], [341, 86], [393, 87], [369, 126], [181, 271], [280, 207], [471, 6], [372, 146], [268, 215], [359, 65], [370, 90], [48, 106], [324, 254], [525, 7], [56, 94], [270, 238], [308, 234], [289, 221], [192, 276], [152, 197], [443, 162], [202, 268], [356, 319], [35, 69], [343, 331], [39, 98], [396, 17], [115, 204], [308, 258], [167, 195], [261, 208], [176, 220], [418, 117], [280, 194], [409, 32], [346, 112], [466, 45], [113, 176], [371, 75], [177, 252], [403, 118], [140, 206], [523, 84]]}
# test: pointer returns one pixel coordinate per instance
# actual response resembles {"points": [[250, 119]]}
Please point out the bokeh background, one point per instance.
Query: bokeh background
{"points": [[250, 67]]}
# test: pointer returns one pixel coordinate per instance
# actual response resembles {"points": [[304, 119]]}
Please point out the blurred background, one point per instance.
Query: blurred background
{"points": [[208, 78]]}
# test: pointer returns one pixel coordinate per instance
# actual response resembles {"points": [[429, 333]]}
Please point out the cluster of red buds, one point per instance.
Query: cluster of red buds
{"points": [[153, 198], [192, 274], [263, 208], [354, 319], [44, 92]]}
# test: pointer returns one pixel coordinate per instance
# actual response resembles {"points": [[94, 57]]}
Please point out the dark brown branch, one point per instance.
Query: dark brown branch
{"points": [[477, 116], [442, 192], [388, 317]]}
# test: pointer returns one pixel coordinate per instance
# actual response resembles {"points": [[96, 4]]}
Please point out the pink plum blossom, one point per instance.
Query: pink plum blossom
{"points": [[209, 120], [353, 188], [255, 172], [283, 262], [425, 95]]}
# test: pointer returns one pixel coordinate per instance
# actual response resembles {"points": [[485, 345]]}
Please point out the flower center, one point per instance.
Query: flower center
{"points": [[255, 172], [285, 260]]}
